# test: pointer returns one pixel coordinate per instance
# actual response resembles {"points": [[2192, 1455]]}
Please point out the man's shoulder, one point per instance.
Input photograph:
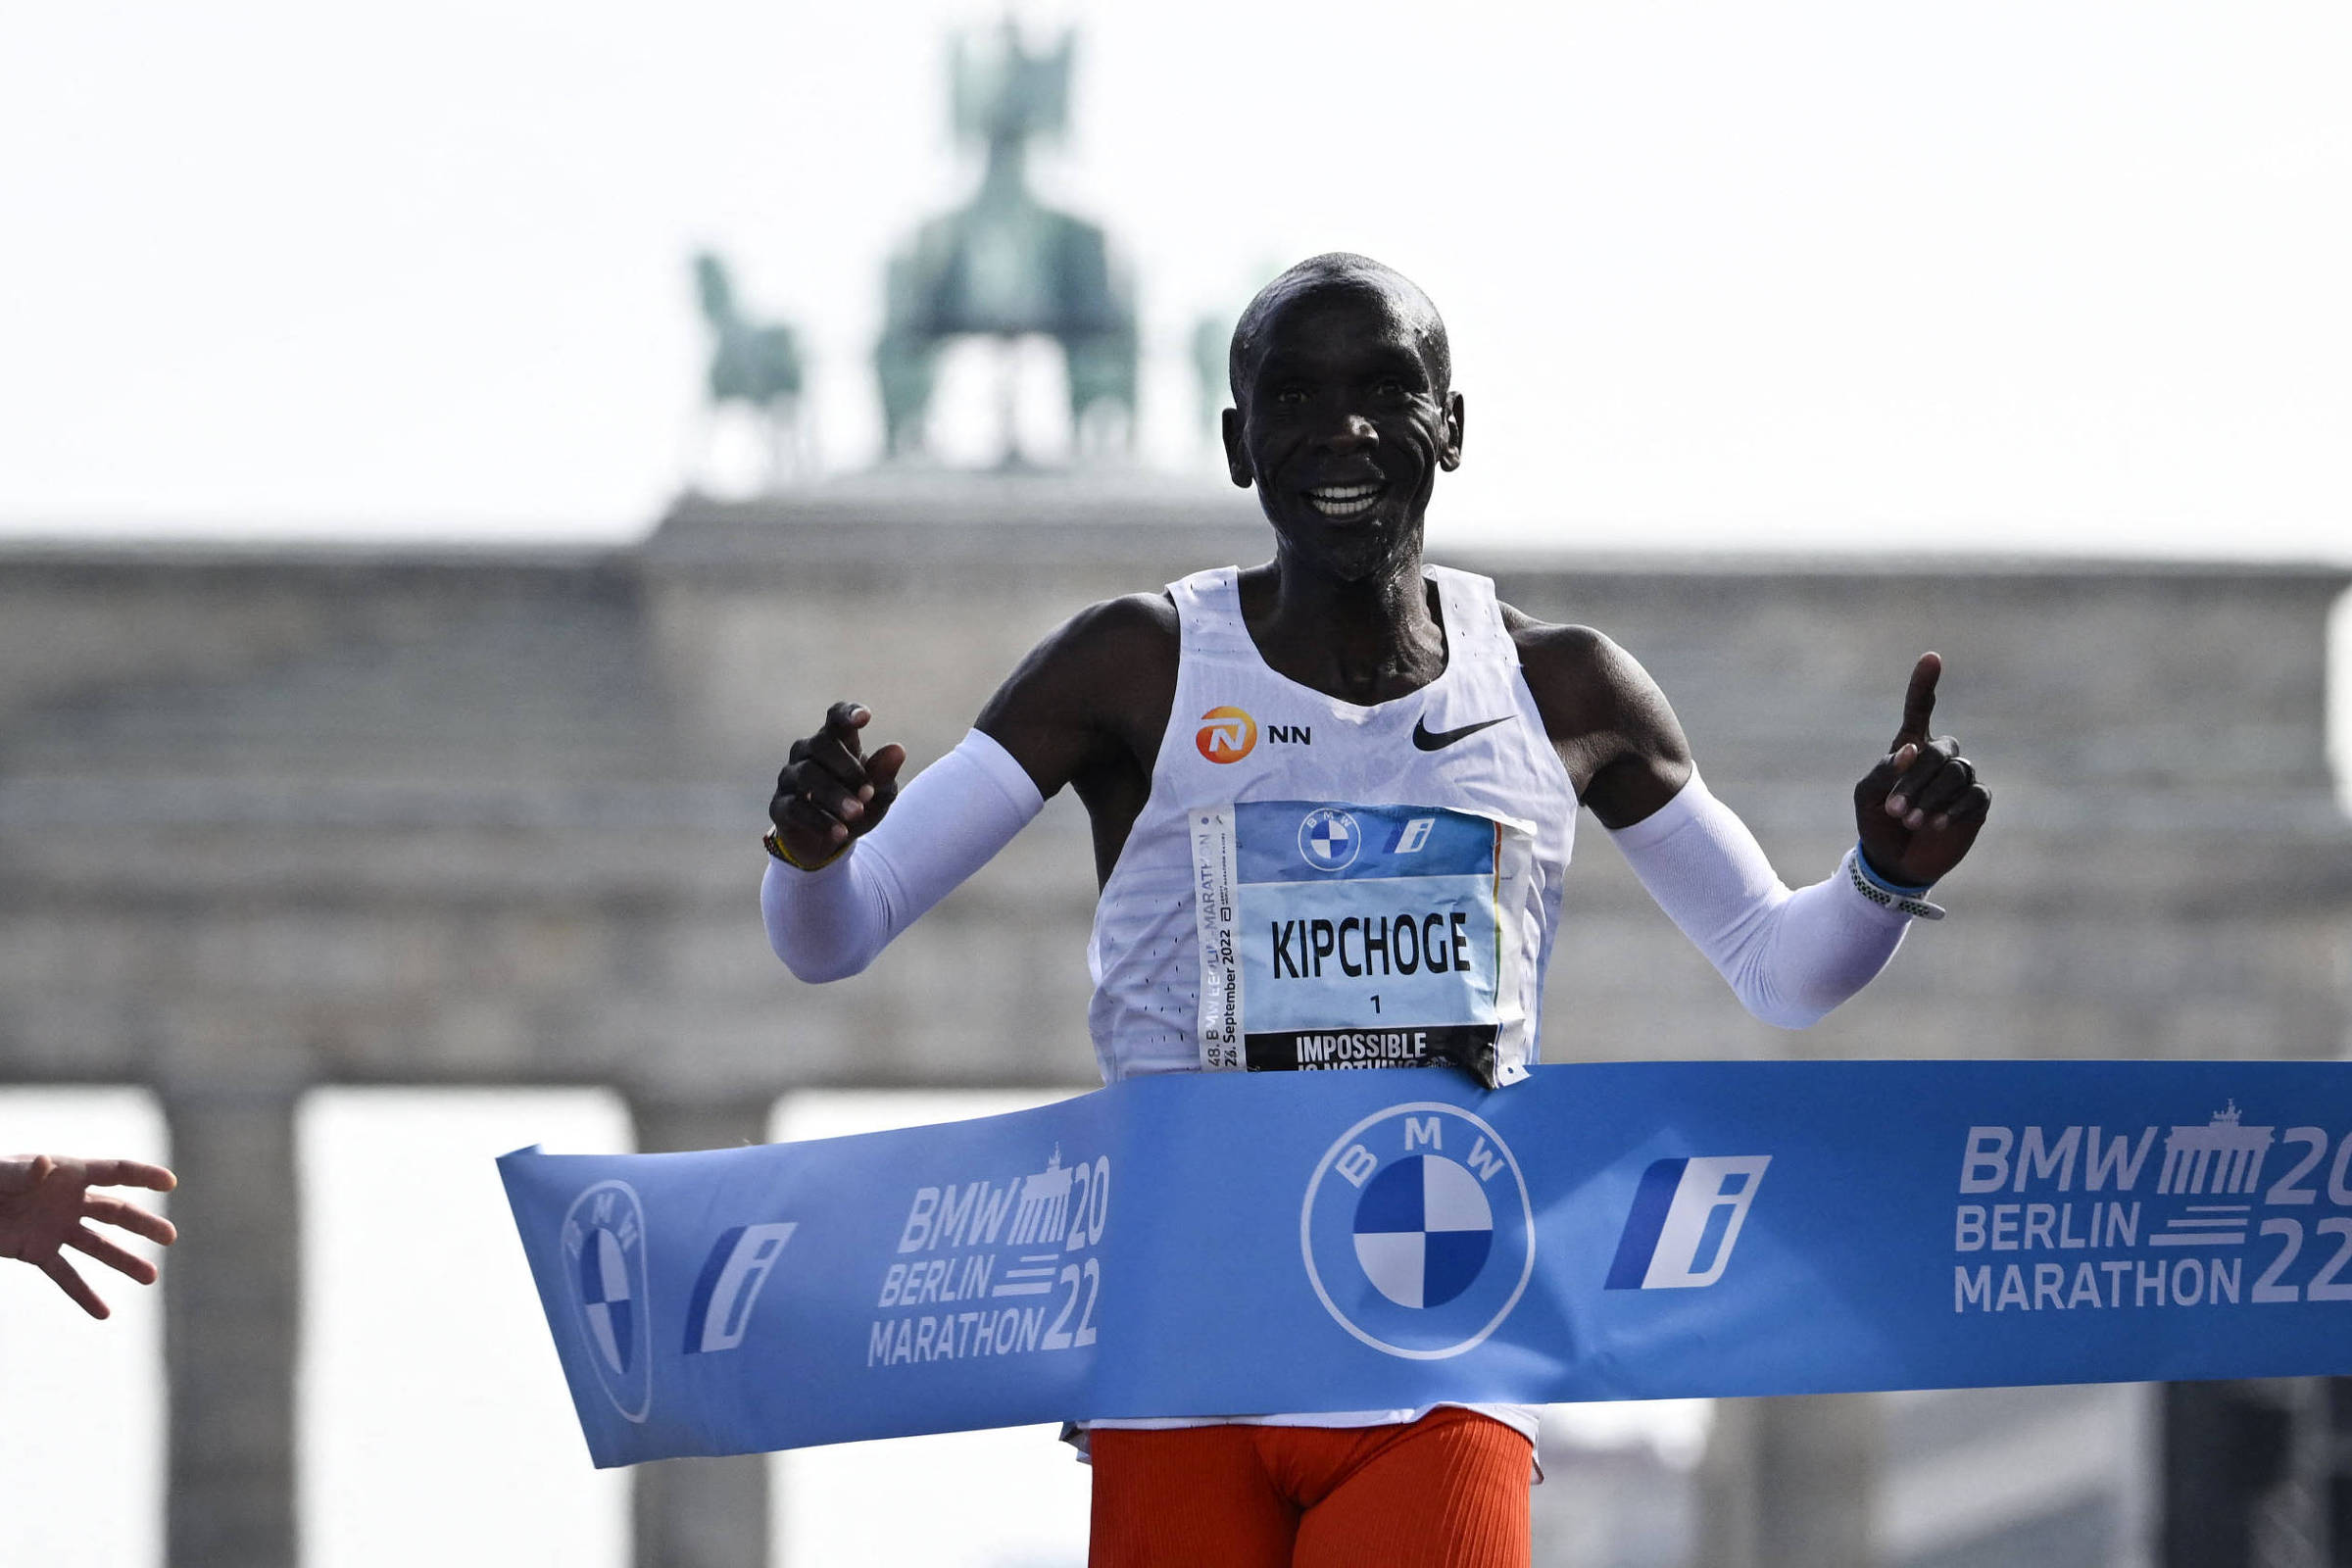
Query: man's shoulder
{"points": [[1559, 648], [1581, 681], [1131, 627], [1147, 614], [1099, 654], [1109, 670]]}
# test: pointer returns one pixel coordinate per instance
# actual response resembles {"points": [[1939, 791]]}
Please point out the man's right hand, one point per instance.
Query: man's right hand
{"points": [[829, 791]]}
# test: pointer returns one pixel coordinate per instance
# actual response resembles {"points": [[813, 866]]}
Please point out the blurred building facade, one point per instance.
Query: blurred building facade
{"points": [[270, 821]]}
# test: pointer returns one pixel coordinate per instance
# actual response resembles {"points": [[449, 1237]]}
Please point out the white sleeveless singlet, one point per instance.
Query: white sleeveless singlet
{"points": [[1385, 880], [1317, 884]]}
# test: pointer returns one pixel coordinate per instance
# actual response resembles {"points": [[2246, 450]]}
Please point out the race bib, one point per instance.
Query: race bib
{"points": [[1358, 936]]}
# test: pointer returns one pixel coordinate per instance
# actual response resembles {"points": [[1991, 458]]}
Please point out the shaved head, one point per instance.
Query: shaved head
{"points": [[1340, 271]]}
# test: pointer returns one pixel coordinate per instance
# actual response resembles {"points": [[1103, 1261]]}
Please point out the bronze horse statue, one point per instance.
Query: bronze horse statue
{"points": [[758, 366], [1006, 265]]}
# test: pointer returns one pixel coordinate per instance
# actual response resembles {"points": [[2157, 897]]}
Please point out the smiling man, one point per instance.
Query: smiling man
{"points": [[1393, 761]]}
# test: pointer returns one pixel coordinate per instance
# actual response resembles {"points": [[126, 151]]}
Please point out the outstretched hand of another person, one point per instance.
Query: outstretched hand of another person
{"points": [[1921, 807], [46, 1206], [830, 792]]}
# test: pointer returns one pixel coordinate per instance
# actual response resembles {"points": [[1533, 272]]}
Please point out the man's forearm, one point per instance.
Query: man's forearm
{"points": [[1790, 956], [946, 824]]}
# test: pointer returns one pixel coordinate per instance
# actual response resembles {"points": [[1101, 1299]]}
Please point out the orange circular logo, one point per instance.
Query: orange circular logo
{"points": [[1227, 734]]}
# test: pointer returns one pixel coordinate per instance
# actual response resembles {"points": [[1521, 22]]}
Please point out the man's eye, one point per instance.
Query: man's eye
{"points": [[1388, 386], [1291, 393]]}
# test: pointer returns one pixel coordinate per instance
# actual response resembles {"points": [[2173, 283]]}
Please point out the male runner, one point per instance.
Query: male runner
{"points": [[1434, 711]]}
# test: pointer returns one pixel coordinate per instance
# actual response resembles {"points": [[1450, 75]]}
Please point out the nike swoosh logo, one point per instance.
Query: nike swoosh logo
{"points": [[1430, 740]]}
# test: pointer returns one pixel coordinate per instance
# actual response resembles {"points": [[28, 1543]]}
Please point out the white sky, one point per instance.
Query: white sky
{"points": [[2057, 275]]}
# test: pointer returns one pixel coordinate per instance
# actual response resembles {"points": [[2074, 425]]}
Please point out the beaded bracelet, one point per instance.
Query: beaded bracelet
{"points": [[775, 847]]}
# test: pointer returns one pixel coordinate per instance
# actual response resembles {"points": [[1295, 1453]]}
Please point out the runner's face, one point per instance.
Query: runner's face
{"points": [[1343, 429]]}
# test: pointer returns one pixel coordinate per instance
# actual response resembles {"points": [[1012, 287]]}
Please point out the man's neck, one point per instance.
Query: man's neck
{"points": [[1364, 640]]}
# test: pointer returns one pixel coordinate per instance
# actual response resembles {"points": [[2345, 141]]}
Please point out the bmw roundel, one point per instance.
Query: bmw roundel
{"points": [[604, 1257], [1422, 1230], [1329, 838], [1417, 1233]]}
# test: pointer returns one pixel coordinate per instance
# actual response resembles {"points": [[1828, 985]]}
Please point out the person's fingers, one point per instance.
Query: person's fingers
{"points": [[120, 1259], [825, 752], [825, 789], [1928, 762], [1872, 791], [882, 774], [24, 1173], [1937, 795], [74, 1285], [130, 1217], [1919, 700], [828, 788], [1965, 814], [837, 747], [129, 1173], [791, 787], [829, 777], [832, 777], [796, 814]]}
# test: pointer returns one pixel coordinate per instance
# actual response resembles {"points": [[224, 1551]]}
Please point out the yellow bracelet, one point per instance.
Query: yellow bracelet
{"points": [[775, 847]]}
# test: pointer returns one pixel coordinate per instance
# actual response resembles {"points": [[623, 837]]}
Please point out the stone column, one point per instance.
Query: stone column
{"points": [[232, 1312], [1790, 1483], [2229, 1461], [701, 1513]]}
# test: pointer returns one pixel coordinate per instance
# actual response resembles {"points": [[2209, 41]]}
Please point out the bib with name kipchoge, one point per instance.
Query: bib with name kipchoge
{"points": [[1317, 884]]}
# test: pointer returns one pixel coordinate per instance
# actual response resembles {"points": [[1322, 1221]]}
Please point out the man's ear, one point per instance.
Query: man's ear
{"points": [[1237, 456], [1449, 457]]}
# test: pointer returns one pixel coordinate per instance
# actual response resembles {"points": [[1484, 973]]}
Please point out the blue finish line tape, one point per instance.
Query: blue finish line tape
{"points": [[1234, 1244]]}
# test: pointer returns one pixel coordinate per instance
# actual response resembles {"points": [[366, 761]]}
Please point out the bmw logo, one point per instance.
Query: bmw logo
{"points": [[604, 1254], [1422, 1230], [1417, 1232], [1329, 838]]}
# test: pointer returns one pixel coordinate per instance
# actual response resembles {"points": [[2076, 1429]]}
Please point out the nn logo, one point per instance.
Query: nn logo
{"points": [[1686, 1220], [1227, 735]]}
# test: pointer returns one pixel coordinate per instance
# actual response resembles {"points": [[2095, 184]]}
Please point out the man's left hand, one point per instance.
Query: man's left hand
{"points": [[1921, 807]]}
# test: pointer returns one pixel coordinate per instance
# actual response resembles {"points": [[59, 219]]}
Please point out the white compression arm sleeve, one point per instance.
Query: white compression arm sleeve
{"points": [[1789, 956], [945, 825]]}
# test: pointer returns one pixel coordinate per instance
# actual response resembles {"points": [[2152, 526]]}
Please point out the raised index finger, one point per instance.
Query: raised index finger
{"points": [[1919, 703], [842, 721]]}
